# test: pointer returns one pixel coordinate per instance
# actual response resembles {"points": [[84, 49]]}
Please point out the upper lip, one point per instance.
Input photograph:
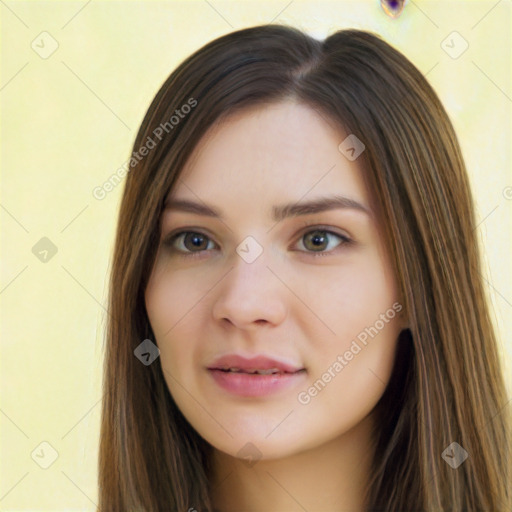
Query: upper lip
{"points": [[259, 362]]}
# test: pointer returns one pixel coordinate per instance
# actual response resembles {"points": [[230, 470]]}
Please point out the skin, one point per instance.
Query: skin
{"points": [[294, 302]]}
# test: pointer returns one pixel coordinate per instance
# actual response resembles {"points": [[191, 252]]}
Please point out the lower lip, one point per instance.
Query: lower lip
{"points": [[245, 384]]}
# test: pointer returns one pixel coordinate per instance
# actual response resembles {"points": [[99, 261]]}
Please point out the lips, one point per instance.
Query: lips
{"points": [[258, 365], [259, 376]]}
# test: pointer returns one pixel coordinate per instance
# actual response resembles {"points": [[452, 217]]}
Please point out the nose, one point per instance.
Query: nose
{"points": [[250, 295]]}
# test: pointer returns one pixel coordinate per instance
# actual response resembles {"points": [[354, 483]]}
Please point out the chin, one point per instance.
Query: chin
{"points": [[255, 450]]}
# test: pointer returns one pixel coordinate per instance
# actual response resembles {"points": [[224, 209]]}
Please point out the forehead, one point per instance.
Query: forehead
{"points": [[272, 153]]}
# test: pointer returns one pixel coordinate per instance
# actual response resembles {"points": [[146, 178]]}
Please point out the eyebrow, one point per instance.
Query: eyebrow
{"points": [[279, 212]]}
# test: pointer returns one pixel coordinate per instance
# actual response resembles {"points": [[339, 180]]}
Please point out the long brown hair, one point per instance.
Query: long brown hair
{"points": [[447, 385]]}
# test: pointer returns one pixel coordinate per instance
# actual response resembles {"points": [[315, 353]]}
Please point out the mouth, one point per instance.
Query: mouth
{"points": [[255, 375], [254, 364], [256, 382], [256, 371]]}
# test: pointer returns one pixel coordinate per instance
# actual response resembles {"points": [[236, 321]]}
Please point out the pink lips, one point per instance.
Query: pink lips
{"points": [[257, 376]]}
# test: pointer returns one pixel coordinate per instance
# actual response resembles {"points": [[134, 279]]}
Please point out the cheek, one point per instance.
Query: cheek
{"points": [[354, 361], [350, 376], [171, 297], [170, 302], [349, 298]]}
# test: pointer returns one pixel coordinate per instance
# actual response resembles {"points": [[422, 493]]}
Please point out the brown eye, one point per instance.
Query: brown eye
{"points": [[188, 242], [195, 241], [320, 241]]}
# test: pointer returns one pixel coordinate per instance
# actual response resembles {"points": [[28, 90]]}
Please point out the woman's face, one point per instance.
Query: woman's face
{"points": [[308, 291]]}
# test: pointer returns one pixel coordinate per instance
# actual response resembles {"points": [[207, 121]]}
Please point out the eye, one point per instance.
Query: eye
{"points": [[190, 243], [317, 241]]}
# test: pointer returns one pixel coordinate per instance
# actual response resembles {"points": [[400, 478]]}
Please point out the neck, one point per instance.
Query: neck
{"points": [[331, 477]]}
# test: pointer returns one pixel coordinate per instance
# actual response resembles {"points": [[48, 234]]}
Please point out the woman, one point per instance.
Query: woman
{"points": [[289, 375]]}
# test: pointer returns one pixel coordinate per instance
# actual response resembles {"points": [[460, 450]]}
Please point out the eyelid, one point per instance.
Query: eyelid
{"points": [[324, 227], [187, 229]]}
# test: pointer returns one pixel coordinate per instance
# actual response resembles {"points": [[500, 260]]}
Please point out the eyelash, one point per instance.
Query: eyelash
{"points": [[169, 241]]}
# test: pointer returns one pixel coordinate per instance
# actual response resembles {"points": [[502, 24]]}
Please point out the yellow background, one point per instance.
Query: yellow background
{"points": [[68, 123]]}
